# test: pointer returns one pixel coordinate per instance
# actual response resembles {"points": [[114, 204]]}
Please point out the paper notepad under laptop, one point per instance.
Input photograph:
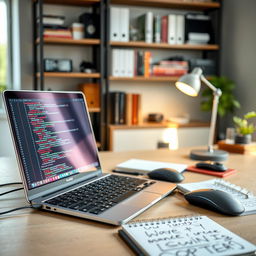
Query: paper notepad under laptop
{"points": [[59, 163], [145, 166]]}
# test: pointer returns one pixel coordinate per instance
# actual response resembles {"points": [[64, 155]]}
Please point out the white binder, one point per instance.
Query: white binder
{"points": [[130, 63], [114, 24], [172, 32], [149, 28], [115, 63], [124, 24], [122, 62], [180, 22]]}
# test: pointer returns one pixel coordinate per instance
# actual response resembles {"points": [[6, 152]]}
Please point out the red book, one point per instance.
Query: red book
{"points": [[135, 103], [209, 172], [164, 29]]}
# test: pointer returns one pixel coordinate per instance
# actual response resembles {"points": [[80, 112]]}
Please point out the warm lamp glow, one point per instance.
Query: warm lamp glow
{"points": [[170, 136], [187, 89]]}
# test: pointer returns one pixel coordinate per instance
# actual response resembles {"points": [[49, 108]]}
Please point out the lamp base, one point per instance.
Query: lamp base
{"points": [[205, 155]]}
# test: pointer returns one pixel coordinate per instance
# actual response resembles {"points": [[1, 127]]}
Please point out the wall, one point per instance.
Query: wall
{"points": [[239, 52]]}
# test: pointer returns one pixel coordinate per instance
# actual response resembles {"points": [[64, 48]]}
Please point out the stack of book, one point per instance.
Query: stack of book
{"points": [[170, 68], [125, 108], [131, 63], [53, 26], [161, 29]]}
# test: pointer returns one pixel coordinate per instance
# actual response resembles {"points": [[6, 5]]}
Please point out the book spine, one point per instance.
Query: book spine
{"points": [[147, 57], [128, 109], [135, 99], [157, 29], [140, 63], [121, 106], [164, 29]]}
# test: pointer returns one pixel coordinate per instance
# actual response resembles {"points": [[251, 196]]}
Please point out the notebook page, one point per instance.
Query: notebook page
{"points": [[195, 236]]}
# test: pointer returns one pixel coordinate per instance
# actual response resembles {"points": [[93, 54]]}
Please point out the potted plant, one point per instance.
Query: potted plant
{"points": [[244, 129], [227, 101]]}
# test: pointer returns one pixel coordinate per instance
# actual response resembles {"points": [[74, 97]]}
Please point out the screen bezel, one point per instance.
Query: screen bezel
{"points": [[59, 184]]}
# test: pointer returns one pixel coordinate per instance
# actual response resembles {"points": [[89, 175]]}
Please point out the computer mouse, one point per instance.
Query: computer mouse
{"points": [[166, 174], [216, 200]]}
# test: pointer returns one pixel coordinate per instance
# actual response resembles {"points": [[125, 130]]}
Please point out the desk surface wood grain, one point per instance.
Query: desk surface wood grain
{"points": [[34, 232]]}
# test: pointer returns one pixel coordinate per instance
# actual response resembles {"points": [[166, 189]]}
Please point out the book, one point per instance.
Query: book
{"points": [[164, 29], [238, 148], [117, 108], [246, 197], [210, 172], [145, 27], [172, 38], [180, 29], [124, 24], [128, 109], [157, 29], [114, 24], [53, 19], [185, 235], [135, 108], [145, 166]]}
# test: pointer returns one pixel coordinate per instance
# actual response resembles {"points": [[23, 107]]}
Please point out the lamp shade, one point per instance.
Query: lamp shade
{"points": [[190, 83]]}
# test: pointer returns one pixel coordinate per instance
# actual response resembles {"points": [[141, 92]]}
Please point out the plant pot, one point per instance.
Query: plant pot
{"points": [[243, 139]]}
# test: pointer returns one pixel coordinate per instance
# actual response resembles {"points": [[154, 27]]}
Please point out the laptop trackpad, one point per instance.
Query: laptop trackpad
{"points": [[134, 205]]}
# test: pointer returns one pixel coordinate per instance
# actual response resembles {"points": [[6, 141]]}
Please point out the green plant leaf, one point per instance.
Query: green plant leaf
{"points": [[250, 115]]}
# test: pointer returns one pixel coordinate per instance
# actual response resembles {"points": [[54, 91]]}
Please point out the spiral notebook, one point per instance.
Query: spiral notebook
{"points": [[195, 235], [247, 198]]}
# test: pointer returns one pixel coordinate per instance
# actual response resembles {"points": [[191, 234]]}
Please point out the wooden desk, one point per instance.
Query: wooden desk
{"points": [[32, 232]]}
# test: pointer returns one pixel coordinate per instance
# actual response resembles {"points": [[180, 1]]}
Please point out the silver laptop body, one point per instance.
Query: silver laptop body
{"points": [[57, 153]]}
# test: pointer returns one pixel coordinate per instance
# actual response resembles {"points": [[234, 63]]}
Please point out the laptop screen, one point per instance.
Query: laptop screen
{"points": [[53, 135]]}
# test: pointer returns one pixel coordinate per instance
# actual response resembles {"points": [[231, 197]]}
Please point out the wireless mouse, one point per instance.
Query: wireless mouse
{"points": [[166, 174], [216, 200]]}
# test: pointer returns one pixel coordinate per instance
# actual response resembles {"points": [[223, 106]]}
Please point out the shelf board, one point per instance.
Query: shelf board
{"points": [[150, 125], [176, 4], [139, 44], [72, 2], [70, 75], [146, 79], [54, 40]]}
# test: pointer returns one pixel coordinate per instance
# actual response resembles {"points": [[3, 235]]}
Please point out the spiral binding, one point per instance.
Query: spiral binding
{"points": [[165, 220], [233, 189]]}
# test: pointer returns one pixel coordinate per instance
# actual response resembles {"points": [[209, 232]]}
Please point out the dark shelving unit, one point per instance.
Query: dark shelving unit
{"points": [[98, 52]]}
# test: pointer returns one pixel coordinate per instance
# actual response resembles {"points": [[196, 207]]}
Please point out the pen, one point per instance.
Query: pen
{"points": [[127, 172]]}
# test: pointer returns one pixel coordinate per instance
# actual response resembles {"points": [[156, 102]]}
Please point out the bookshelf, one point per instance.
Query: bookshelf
{"points": [[60, 41], [137, 44], [119, 83], [175, 4], [69, 75], [41, 44]]}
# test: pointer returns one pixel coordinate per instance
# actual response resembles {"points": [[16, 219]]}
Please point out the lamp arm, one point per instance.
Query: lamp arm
{"points": [[216, 95]]}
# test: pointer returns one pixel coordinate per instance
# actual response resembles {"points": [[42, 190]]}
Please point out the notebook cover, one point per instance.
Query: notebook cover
{"points": [[130, 243], [209, 172]]}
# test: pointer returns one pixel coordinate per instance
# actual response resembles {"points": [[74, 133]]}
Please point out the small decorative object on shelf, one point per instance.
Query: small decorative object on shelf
{"points": [[244, 129], [87, 67]]}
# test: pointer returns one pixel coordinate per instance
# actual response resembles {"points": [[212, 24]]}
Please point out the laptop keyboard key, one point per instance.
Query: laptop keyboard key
{"points": [[100, 195]]}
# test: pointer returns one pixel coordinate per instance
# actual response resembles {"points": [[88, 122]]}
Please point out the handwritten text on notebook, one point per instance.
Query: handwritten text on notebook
{"points": [[194, 236]]}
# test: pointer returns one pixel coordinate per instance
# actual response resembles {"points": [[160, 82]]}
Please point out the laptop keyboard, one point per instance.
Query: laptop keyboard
{"points": [[100, 195]]}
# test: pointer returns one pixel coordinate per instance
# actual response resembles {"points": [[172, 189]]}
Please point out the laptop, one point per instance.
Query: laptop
{"points": [[59, 163]]}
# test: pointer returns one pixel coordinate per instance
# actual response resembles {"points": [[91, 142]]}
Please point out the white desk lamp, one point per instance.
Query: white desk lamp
{"points": [[190, 84]]}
